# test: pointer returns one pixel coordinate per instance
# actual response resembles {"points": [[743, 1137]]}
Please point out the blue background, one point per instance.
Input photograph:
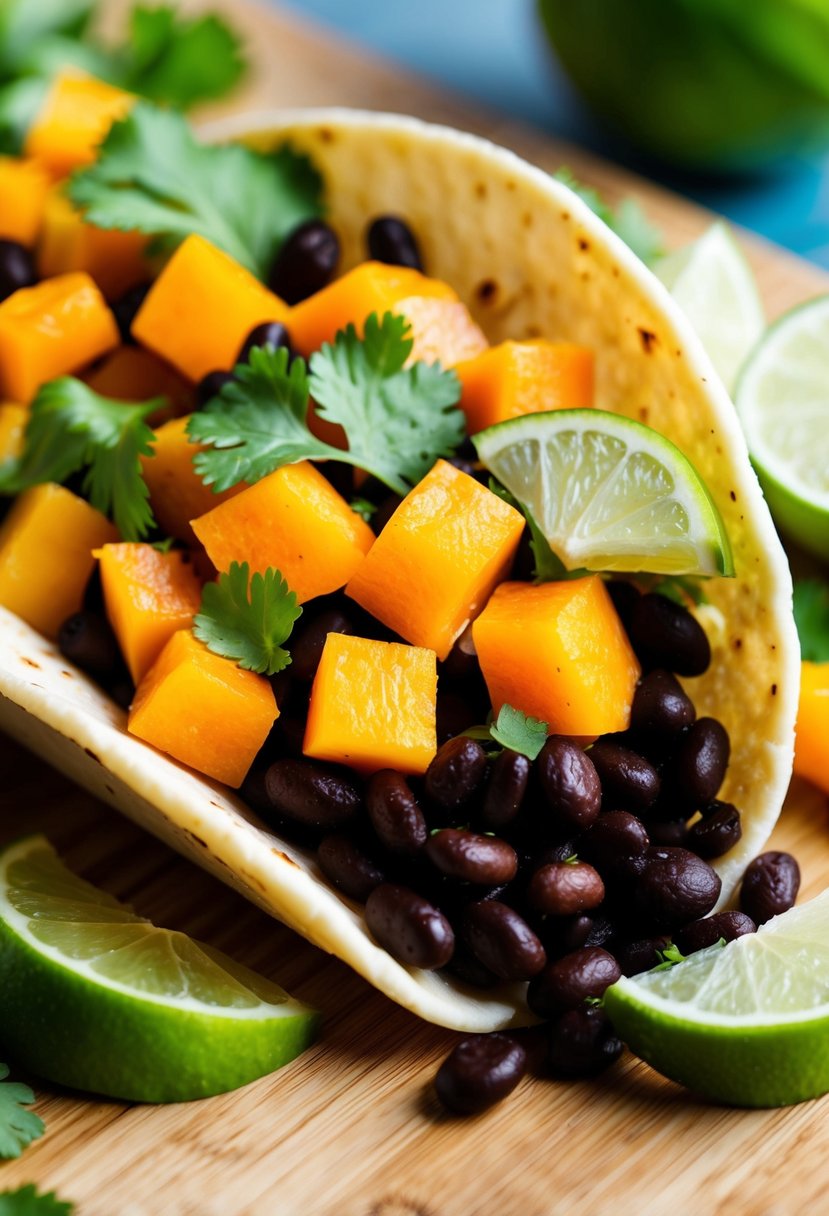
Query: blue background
{"points": [[494, 50]]}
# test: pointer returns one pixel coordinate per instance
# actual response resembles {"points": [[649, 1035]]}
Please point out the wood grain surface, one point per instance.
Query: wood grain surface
{"points": [[351, 1128]]}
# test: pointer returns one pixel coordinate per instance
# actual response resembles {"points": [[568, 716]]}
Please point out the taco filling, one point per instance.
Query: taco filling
{"points": [[462, 634]]}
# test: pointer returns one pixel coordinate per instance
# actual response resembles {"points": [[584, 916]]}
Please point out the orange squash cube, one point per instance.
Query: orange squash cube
{"points": [[52, 329], [558, 651], [114, 259], [24, 185], [434, 565], [369, 287], [203, 710], [295, 521], [74, 119], [46, 544], [201, 308], [373, 705], [811, 745], [516, 378], [443, 331], [13, 422], [149, 596], [131, 373], [177, 493]]}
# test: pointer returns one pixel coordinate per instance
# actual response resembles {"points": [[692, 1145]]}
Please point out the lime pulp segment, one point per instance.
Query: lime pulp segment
{"points": [[608, 493]]}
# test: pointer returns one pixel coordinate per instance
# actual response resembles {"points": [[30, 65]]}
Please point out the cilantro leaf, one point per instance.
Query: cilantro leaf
{"points": [[398, 419], [27, 1202], [152, 176], [811, 614], [70, 428], [519, 732], [548, 567], [18, 1126], [248, 623], [681, 588], [628, 220], [180, 60]]}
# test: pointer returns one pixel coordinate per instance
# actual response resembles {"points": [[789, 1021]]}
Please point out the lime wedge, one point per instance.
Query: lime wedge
{"points": [[747, 1023], [714, 286], [783, 402], [608, 493], [98, 998]]}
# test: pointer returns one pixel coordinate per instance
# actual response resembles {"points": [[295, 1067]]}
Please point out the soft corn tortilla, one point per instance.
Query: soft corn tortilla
{"points": [[530, 259]]}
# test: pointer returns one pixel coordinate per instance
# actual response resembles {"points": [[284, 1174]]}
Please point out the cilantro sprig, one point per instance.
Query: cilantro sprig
{"points": [[72, 428], [248, 619], [397, 419], [513, 730], [811, 614], [18, 1126], [26, 1201], [153, 176]]}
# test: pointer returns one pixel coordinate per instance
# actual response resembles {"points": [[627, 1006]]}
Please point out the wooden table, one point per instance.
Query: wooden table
{"points": [[351, 1128]]}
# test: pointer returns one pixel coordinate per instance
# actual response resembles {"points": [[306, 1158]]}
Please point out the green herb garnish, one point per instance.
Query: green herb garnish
{"points": [[681, 588], [152, 176], [513, 730], [365, 509], [18, 1126], [811, 614], [72, 428], [27, 1202], [248, 619], [547, 566], [628, 220]]}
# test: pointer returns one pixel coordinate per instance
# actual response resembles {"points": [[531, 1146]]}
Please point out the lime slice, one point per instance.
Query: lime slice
{"points": [[98, 998], [783, 402], [714, 286], [608, 493], [747, 1023]]}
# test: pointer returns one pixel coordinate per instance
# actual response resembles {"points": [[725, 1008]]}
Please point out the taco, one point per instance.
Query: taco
{"points": [[529, 259]]}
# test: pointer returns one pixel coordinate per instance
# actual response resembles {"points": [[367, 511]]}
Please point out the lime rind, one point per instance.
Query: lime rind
{"points": [[609, 493]]}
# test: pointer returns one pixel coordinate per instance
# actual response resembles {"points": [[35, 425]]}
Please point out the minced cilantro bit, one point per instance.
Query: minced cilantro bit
{"points": [[72, 428], [811, 614], [26, 1201], [398, 420], [669, 957], [248, 619], [512, 730], [18, 1126], [153, 176]]}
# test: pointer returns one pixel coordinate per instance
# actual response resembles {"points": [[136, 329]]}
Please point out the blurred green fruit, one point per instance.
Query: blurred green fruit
{"points": [[704, 84]]}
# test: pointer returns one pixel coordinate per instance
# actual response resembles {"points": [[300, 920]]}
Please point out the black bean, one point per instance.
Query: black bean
{"points": [[672, 833], [641, 954], [710, 930], [210, 386], [717, 832], [570, 783], [629, 781], [394, 813], [271, 334], [315, 795], [569, 981], [348, 867], [480, 1071], [125, 309], [582, 1043], [461, 663], [565, 888], [505, 789], [122, 691], [770, 886], [675, 887], [624, 595], [306, 262], [614, 836], [469, 969], [86, 639], [391, 240], [409, 927], [603, 931], [502, 940], [572, 934], [472, 858], [664, 634], [661, 707], [700, 763], [17, 268], [308, 641], [456, 773]]}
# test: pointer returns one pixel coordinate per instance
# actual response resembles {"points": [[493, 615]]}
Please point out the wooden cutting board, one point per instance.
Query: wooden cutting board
{"points": [[351, 1128]]}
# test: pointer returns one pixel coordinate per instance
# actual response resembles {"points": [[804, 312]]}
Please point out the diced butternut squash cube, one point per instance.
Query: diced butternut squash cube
{"points": [[373, 705], [114, 259], [517, 378], [177, 493], [131, 373], [46, 544], [434, 565], [149, 596], [558, 651], [201, 308], [52, 329], [443, 331], [811, 745], [295, 521], [24, 185], [74, 119], [203, 710], [13, 422], [369, 287]]}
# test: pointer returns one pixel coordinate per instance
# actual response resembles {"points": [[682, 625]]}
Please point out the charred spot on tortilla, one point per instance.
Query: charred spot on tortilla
{"points": [[648, 338]]}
